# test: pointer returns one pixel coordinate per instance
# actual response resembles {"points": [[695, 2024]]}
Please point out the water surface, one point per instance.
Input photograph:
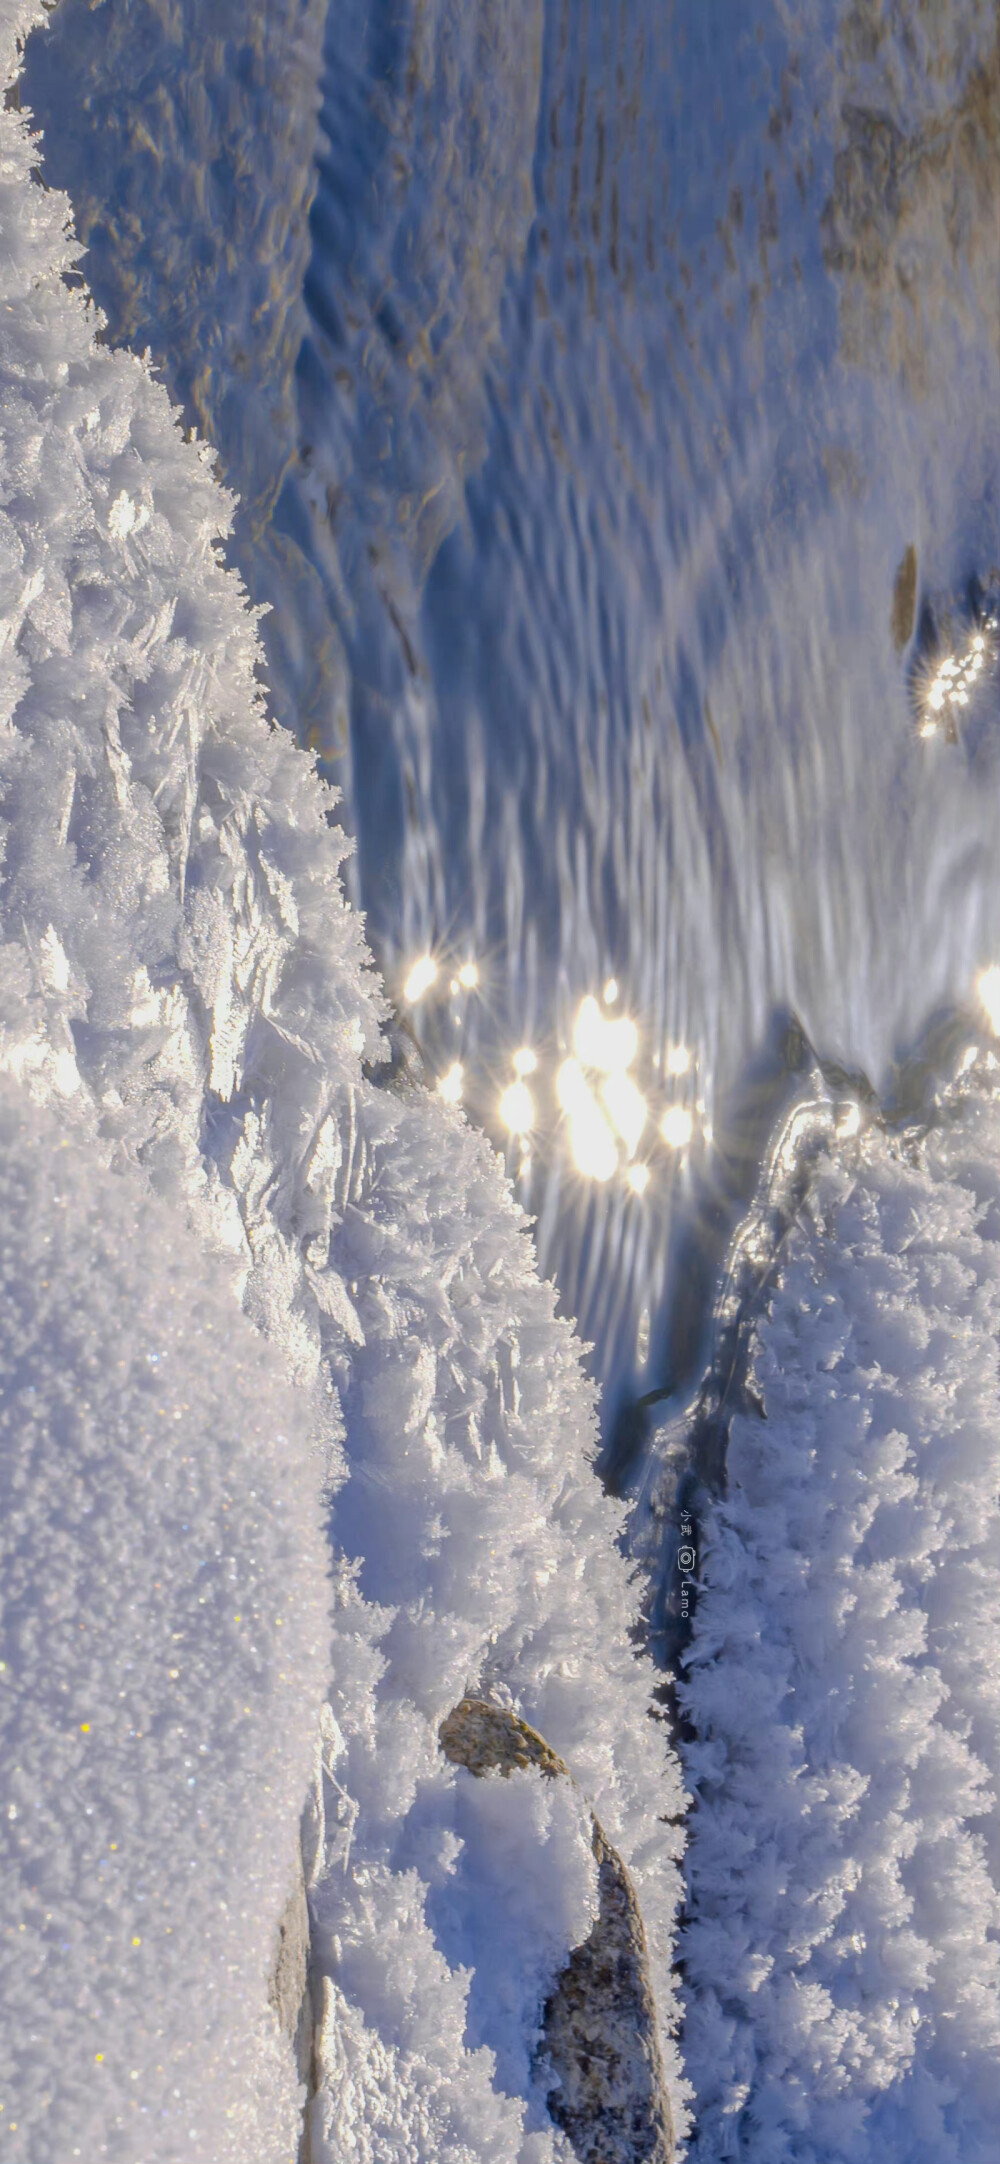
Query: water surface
{"points": [[638, 422]]}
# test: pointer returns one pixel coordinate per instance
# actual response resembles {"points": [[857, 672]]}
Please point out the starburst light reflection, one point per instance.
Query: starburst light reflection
{"points": [[422, 975], [988, 988], [626, 1108], [590, 1137], [944, 693], [609, 1047], [603, 1109], [677, 1127], [451, 1084], [517, 1109]]}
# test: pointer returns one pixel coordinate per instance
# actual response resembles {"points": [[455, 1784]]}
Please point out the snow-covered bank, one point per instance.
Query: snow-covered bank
{"points": [[184, 986], [843, 1945], [186, 139], [163, 1649]]}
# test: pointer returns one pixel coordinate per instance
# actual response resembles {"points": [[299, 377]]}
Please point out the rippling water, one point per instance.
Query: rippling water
{"points": [[671, 337], [644, 432]]}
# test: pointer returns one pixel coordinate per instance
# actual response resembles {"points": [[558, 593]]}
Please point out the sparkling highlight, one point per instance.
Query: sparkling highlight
{"points": [[517, 1109], [451, 1084], [422, 975], [677, 1127]]}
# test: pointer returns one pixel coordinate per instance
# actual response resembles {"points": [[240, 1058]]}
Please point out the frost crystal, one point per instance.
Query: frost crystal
{"points": [[843, 1953]]}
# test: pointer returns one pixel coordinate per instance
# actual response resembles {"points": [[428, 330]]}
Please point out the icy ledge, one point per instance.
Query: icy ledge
{"points": [[183, 990], [842, 1947]]}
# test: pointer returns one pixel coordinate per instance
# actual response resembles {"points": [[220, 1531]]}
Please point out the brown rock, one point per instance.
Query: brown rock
{"points": [[904, 599], [599, 2024], [911, 230]]}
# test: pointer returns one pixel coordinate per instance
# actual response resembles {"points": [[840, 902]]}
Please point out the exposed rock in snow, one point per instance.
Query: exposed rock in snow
{"points": [[598, 2032], [288, 1990]]}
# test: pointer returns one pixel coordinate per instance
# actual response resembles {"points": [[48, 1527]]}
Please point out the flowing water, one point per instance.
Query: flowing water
{"points": [[668, 338], [639, 469]]}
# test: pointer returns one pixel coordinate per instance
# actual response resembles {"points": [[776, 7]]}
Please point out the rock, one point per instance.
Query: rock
{"points": [[904, 600], [909, 230], [599, 2024], [289, 1985]]}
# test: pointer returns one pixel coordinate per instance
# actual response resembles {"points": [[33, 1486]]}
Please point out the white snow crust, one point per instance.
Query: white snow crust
{"points": [[843, 1949], [183, 986], [164, 1644]]}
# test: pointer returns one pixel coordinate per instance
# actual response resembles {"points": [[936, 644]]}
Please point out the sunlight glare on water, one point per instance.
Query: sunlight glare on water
{"points": [[452, 1084], [626, 1108], [591, 1137], [517, 1109], [677, 1127], [420, 979], [988, 988], [643, 455], [644, 479]]}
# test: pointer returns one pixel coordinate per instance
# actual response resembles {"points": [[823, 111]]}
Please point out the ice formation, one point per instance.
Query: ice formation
{"points": [[843, 1949], [184, 989]]}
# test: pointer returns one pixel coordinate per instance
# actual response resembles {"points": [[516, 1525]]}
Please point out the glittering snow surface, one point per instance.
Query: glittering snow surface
{"points": [[186, 998], [843, 1950], [163, 1650]]}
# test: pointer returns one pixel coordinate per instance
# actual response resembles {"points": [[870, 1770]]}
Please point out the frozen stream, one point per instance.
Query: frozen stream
{"points": [[647, 402], [611, 396], [647, 395]]}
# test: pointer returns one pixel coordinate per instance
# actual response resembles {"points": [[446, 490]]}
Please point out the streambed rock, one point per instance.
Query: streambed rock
{"points": [[599, 2024], [910, 228]]}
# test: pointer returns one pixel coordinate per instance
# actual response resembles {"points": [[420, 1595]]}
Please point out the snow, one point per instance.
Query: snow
{"points": [[163, 1651], [186, 139], [512, 1885], [520, 1886], [843, 1949], [184, 988]]}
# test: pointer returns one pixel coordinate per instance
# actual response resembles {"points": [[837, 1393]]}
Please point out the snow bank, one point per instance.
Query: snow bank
{"points": [[181, 977], [843, 1950], [442, 1974], [164, 1641], [186, 139]]}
